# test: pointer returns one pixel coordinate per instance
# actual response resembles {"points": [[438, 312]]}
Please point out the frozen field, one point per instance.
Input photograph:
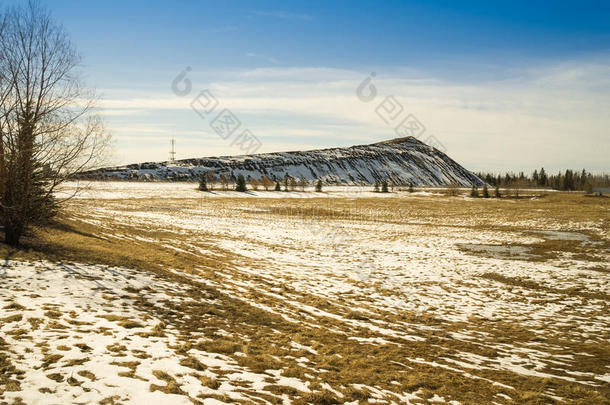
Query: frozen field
{"points": [[169, 295]]}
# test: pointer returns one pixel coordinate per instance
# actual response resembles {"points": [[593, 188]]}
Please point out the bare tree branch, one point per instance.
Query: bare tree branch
{"points": [[49, 129]]}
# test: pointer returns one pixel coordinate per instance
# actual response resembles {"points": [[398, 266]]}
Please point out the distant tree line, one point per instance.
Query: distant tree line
{"points": [[570, 180], [386, 186], [210, 181]]}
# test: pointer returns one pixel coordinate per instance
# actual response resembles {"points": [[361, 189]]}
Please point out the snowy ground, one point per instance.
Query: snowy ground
{"points": [[140, 190], [77, 332], [412, 298]]}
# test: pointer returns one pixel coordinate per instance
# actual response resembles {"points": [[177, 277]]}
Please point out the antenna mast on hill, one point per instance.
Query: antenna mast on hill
{"points": [[172, 152]]}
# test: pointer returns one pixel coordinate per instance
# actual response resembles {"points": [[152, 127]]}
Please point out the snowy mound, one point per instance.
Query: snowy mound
{"points": [[401, 161]]}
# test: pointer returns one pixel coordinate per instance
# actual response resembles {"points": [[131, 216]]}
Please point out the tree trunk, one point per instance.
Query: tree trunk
{"points": [[12, 234]]}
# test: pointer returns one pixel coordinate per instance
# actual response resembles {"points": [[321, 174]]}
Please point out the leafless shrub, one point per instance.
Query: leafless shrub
{"points": [[48, 127], [267, 183], [211, 179], [302, 183], [453, 190]]}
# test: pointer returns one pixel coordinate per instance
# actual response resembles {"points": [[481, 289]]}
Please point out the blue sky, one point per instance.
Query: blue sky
{"points": [[502, 85]]}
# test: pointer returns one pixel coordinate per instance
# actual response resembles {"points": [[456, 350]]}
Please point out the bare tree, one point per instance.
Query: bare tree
{"points": [[267, 183], [224, 182], [211, 179], [453, 189], [48, 127], [254, 183], [303, 183]]}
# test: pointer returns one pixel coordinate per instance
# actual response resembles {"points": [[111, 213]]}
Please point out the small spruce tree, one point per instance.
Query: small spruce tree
{"points": [[474, 193], [384, 187], [286, 183], [319, 186], [411, 189], [240, 184], [485, 191], [542, 178], [277, 186], [203, 182], [498, 195], [376, 187]]}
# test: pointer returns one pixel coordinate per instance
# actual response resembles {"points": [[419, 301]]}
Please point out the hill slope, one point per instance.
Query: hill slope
{"points": [[404, 160]]}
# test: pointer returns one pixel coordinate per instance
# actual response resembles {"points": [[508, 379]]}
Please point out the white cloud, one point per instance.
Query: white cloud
{"points": [[554, 115], [264, 57], [119, 111]]}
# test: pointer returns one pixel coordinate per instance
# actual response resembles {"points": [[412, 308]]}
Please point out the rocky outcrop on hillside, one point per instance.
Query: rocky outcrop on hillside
{"points": [[401, 160]]}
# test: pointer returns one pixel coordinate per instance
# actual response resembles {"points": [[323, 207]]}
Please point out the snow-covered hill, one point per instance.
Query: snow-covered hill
{"points": [[401, 161]]}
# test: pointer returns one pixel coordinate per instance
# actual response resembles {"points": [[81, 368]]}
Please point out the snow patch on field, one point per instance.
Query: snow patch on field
{"points": [[77, 335]]}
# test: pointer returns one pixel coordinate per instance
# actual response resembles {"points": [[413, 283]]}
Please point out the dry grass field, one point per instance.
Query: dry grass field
{"points": [[159, 293]]}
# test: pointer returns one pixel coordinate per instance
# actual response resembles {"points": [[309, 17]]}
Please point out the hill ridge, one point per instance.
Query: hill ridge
{"points": [[400, 160]]}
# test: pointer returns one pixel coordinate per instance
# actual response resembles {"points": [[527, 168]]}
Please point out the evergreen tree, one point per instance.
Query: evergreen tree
{"points": [[411, 188], [319, 186], [485, 191], [376, 187], [384, 187], [498, 192], [557, 180], [542, 178], [286, 179], [474, 193], [568, 181], [535, 177], [203, 182], [277, 186], [240, 184]]}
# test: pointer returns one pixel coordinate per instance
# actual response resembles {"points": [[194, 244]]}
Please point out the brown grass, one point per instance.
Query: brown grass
{"points": [[209, 382], [13, 306], [266, 337], [87, 374], [12, 318], [171, 386]]}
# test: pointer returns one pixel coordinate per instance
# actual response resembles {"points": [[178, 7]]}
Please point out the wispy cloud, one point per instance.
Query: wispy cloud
{"points": [[264, 57], [120, 112], [550, 115]]}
